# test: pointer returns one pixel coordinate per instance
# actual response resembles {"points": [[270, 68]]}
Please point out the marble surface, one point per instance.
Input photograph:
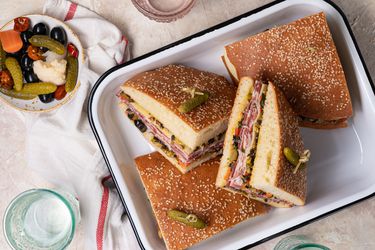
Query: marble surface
{"points": [[351, 228]]}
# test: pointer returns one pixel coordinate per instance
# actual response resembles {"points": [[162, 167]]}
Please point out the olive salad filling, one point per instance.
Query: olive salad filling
{"points": [[168, 142], [245, 140]]}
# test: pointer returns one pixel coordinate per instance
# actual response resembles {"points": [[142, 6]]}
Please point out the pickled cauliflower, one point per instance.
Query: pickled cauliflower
{"points": [[53, 71]]}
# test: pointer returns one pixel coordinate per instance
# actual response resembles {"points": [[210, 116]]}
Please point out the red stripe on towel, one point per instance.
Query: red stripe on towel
{"points": [[106, 178], [102, 215], [71, 12], [125, 40], [124, 56]]}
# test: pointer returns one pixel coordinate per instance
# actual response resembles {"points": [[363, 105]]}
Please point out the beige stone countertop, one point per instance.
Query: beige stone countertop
{"points": [[350, 228]]}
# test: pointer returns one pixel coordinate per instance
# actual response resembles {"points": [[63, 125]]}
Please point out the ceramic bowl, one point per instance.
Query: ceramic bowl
{"points": [[35, 105], [164, 10]]}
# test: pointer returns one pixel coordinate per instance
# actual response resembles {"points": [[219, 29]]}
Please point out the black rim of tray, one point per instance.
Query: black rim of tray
{"points": [[184, 40]]}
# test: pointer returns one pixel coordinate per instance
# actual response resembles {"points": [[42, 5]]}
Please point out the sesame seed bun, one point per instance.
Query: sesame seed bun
{"points": [[160, 92], [301, 59], [195, 193]]}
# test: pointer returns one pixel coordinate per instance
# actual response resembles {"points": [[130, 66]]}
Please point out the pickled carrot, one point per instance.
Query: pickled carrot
{"points": [[11, 41]]}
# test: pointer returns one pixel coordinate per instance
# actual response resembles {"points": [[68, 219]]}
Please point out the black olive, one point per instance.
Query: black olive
{"points": [[130, 113], [46, 98], [25, 36], [40, 29], [58, 34], [23, 51], [26, 62], [30, 76], [140, 125], [18, 55]]}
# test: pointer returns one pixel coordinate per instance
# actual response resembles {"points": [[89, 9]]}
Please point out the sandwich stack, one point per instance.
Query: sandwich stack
{"points": [[301, 59], [153, 101], [261, 126]]}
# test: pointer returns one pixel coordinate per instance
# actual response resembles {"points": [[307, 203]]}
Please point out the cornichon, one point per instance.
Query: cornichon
{"points": [[194, 102], [18, 95], [47, 42], [71, 73], [2, 57], [15, 70], [39, 88], [188, 219]]}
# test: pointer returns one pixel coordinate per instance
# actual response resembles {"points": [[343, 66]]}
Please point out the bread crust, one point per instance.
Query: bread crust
{"points": [[195, 193], [281, 55], [234, 80], [166, 84], [295, 184], [341, 124]]}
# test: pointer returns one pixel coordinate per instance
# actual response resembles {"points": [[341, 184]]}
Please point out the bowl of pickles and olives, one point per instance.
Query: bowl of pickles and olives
{"points": [[40, 62]]}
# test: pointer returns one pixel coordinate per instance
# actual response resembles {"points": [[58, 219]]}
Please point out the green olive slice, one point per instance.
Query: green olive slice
{"points": [[188, 219]]}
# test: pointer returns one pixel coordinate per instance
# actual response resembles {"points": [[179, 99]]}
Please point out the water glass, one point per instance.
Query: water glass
{"points": [[41, 219], [295, 242]]}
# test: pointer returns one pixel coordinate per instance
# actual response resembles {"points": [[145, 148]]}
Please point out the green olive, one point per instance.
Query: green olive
{"points": [[192, 103], [291, 156], [187, 219]]}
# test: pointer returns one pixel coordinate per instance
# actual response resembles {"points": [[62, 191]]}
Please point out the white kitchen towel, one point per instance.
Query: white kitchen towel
{"points": [[60, 145]]}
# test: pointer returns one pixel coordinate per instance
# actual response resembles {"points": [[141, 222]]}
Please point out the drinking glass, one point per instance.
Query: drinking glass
{"points": [[41, 219], [295, 242]]}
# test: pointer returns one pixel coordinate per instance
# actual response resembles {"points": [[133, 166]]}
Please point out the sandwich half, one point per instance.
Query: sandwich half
{"points": [[193, 193], [301, 59], [152, 100], [261, 125]]}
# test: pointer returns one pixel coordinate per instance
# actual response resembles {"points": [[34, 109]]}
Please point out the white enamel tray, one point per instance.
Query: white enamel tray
{"points": [[342, 168]]}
